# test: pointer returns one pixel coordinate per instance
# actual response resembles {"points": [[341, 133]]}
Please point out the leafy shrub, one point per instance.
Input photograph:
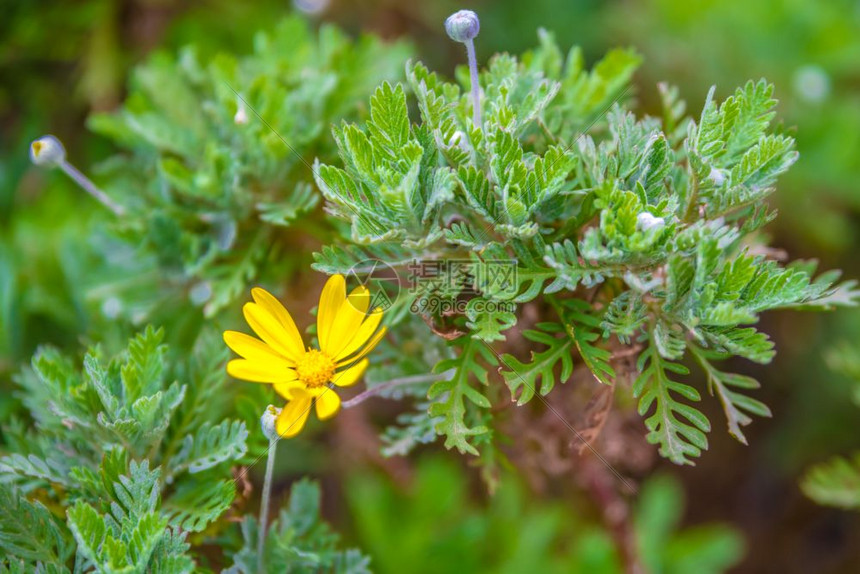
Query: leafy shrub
{"points": [[632, 232]]}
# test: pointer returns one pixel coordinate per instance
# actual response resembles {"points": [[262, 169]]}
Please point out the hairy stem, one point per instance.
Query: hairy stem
{"points": [[262, 529], [87, 185], [376, 389], [476, 88]]}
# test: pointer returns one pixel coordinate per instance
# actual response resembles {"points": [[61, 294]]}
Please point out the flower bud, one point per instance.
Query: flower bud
{"points": [[241, 116], [717, 176], [645, 221], [268, 422], [463, 26], [47, 151]]}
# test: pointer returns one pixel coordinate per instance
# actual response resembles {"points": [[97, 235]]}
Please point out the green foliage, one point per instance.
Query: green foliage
{"points": [[629, 235], [818, 198], [476, 536], [106, 452], [643, 232], [836, 482], [220, 154], [29, 532], [706, 548], [298, 540]]}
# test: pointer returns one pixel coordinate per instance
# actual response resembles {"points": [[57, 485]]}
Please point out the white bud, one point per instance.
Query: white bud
{"points": [[717, 176], [200, 293], [463, 26], [47, 151], [646, 221], [268, 422], [241, 116], [112, 307], [812, 83]]}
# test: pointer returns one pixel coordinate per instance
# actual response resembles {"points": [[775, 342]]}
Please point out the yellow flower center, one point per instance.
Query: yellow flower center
{"points": [[315, 368]]}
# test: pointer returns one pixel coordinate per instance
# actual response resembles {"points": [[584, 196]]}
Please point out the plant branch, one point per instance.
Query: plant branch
{"points": [[381, 387]]}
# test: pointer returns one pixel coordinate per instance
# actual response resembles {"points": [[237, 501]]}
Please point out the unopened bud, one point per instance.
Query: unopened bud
{"points": [[463, 26], [646, 221], [47, 151], [268, 422], [241, 116], [717, 176]]}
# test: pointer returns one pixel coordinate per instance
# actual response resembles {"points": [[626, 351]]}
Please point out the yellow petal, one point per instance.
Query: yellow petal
{"points": [[332, 297], [252, 349], [261, 371], [367, 348], [364, 332], [288, 389], [274, 307], [351, 375], [293, 416], [269, 329], [347, 321], [327, 404]]}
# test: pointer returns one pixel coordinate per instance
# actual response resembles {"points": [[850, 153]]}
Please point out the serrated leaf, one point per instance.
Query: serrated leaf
{"points": [[448, 395], [210, 446], [679, 438], [194, 506], [523, 379], [835, 482]]}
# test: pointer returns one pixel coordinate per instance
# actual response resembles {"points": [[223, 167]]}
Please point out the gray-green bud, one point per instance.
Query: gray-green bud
{"points": [[463, 26], [47, 151]]}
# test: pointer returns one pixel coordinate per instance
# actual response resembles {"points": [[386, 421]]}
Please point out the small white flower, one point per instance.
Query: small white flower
{"points": [[646, 221], [47, 151]]}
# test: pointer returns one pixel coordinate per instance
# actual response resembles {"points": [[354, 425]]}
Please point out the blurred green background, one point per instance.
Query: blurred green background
{"points": [[63, 60]]}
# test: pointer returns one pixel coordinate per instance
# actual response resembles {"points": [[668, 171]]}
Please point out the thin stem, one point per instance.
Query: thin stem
{"points": [[262, 530], [476, 88], [376, 389], [88, 186], [693, 199]]}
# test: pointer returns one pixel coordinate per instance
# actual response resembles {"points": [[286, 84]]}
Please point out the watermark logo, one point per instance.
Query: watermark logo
{"points": [[380, 279], [449, 286]]}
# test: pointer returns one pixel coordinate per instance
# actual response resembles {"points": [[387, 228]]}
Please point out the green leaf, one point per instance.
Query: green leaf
{"points": [[29, 532], [142, 373], [389, 120], [89, 530], [835, 482], [449, 395], [194, 506], [728, 387], [679, 439], [488, 319], [302, 200], [580, 326], [523, 378], [210, 446]]}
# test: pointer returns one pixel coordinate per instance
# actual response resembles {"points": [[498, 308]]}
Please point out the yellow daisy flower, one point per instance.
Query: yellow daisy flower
{"points": [[346, 333]]}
